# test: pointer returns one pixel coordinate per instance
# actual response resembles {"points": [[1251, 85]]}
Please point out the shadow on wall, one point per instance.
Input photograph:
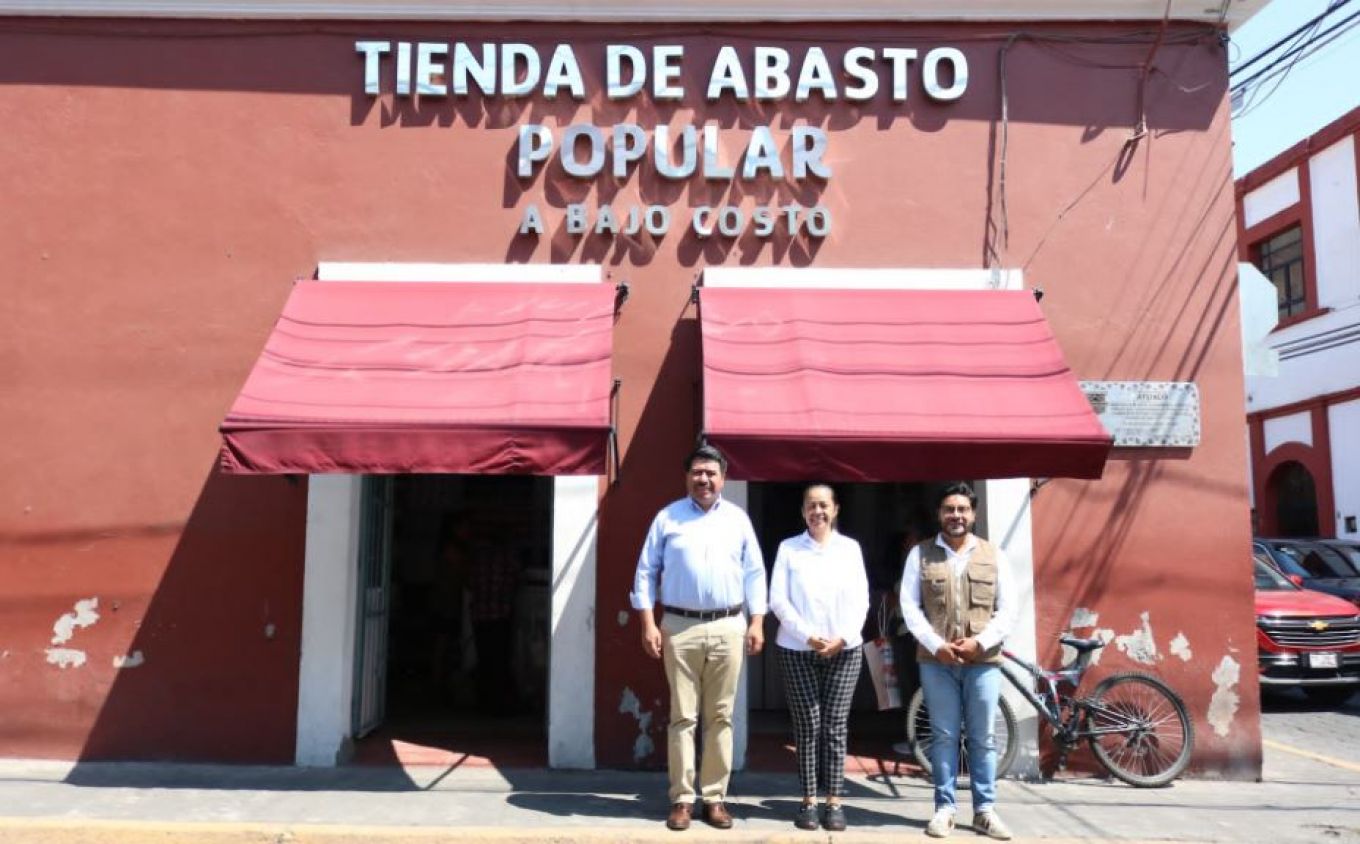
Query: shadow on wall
{"points": [[1175, 326], [1219, 265], [211, 673], [634, 704], [1095, 77], [1170, 328]]}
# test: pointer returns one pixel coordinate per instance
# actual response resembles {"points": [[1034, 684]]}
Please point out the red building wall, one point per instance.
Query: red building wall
{"points": [[168, 180]]}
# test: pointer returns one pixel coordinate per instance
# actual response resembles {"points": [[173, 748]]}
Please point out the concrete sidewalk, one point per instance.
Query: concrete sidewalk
{"points": [[1302, 800]]}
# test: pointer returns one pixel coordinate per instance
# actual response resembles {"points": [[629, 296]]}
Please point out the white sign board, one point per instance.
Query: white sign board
{"points": [[1140, 414]]}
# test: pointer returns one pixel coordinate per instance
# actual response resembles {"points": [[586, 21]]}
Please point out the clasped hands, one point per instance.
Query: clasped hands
{"points": [[825, 648], [959, 651]]}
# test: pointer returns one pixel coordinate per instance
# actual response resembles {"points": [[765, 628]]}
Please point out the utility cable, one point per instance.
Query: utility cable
{"points": [[1294, 51], [1332, 7], [1315, 43]]}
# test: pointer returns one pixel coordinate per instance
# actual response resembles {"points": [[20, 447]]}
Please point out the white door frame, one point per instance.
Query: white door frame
{"points": [[331, 570], [329, 598]]}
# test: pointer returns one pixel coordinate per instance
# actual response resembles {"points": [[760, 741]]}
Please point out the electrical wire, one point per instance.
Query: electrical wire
{"points": [[1315, 42], [1310, 39], [1332, 7], [998, 224]]}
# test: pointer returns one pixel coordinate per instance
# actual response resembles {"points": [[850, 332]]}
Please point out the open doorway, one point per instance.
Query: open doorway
{"points": [[457, 671], [1295, 494], [886, 519]]}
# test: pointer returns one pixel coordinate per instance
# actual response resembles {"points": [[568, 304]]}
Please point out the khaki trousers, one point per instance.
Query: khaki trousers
{"points": [[703, 665]]}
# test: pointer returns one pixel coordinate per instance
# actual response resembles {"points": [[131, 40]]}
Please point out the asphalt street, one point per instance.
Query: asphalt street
{"points": [[1292, 723]]}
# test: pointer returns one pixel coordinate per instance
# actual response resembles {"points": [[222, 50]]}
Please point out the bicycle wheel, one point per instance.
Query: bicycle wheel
{"points": [[920, 735], [1139, 730]]}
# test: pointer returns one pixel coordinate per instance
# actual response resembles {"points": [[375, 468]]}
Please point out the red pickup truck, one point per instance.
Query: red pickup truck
{"points": [[1306, 639]]}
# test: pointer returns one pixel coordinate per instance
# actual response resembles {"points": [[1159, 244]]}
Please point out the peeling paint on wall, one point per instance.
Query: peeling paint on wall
{"points": [[630, 705], [132, 660], [1082, 617], [1223, 705], [65, 658], [1139, 646], [1180, 646], [623, 618], [84, 615]]}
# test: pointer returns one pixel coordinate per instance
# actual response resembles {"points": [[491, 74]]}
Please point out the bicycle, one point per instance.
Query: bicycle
{"points": [[1136, 725]]}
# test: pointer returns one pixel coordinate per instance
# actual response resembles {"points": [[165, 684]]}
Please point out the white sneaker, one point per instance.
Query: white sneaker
{"points": [[941, 825], [987, 823]]}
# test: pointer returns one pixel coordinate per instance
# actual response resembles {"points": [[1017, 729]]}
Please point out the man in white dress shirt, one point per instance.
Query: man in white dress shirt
{"points": [[958, 600]]}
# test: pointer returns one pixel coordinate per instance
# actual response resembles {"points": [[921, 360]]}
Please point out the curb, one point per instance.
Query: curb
{"points": [[69, 831]]}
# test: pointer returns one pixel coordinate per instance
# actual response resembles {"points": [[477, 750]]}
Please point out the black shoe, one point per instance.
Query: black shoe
{"points": [[806, 817], [834, 818]]}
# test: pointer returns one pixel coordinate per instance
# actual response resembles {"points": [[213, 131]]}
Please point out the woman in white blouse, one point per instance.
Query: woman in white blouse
{"points": [[820, 594]]}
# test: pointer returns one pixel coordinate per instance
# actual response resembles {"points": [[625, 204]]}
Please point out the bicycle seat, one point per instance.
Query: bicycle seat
{"points": [[1082, 645]]}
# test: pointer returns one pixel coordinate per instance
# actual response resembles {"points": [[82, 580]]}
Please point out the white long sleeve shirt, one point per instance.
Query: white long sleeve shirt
{"points": [[819, 590], [1003, 619]]}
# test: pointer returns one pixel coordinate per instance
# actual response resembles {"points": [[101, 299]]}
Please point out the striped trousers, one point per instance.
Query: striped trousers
{"points": [[819, 692]]}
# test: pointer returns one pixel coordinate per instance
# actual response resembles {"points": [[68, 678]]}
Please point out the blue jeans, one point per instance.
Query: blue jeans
{"points": [[967, 694]]}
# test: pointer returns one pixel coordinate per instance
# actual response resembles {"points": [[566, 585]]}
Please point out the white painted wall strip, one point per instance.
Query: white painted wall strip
{"points": [[1273, 197], [738, 493], [329, 598], [571, 658], [1009, 525], [498, 273], [1233, 12], [858, 278], [1336, 224], [1294, 428], [1343, 418]]}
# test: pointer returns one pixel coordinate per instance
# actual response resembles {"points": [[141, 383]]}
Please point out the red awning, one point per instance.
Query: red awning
{"points": [[398, 377], [891, 385]]}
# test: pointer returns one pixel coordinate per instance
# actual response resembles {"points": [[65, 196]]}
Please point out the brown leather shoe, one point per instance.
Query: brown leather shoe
{"points": [[716, 815], [678, 819]]}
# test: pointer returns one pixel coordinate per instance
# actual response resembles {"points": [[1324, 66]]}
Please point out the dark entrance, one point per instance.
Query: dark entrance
{"points": [[1295, 498], [885, 519], [465, 665]]}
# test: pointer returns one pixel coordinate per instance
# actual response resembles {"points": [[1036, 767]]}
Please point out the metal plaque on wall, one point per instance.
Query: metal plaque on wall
{"points": [[1147, 413]]}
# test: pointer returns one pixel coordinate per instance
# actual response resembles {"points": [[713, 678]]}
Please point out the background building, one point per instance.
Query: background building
{"points": [[1300, 219]]}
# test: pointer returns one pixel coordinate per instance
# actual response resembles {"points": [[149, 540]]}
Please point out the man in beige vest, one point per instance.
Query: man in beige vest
{"points": [[958, 600]]}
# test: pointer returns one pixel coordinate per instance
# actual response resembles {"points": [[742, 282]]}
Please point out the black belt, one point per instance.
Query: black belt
{"points": [[703, 615]]}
